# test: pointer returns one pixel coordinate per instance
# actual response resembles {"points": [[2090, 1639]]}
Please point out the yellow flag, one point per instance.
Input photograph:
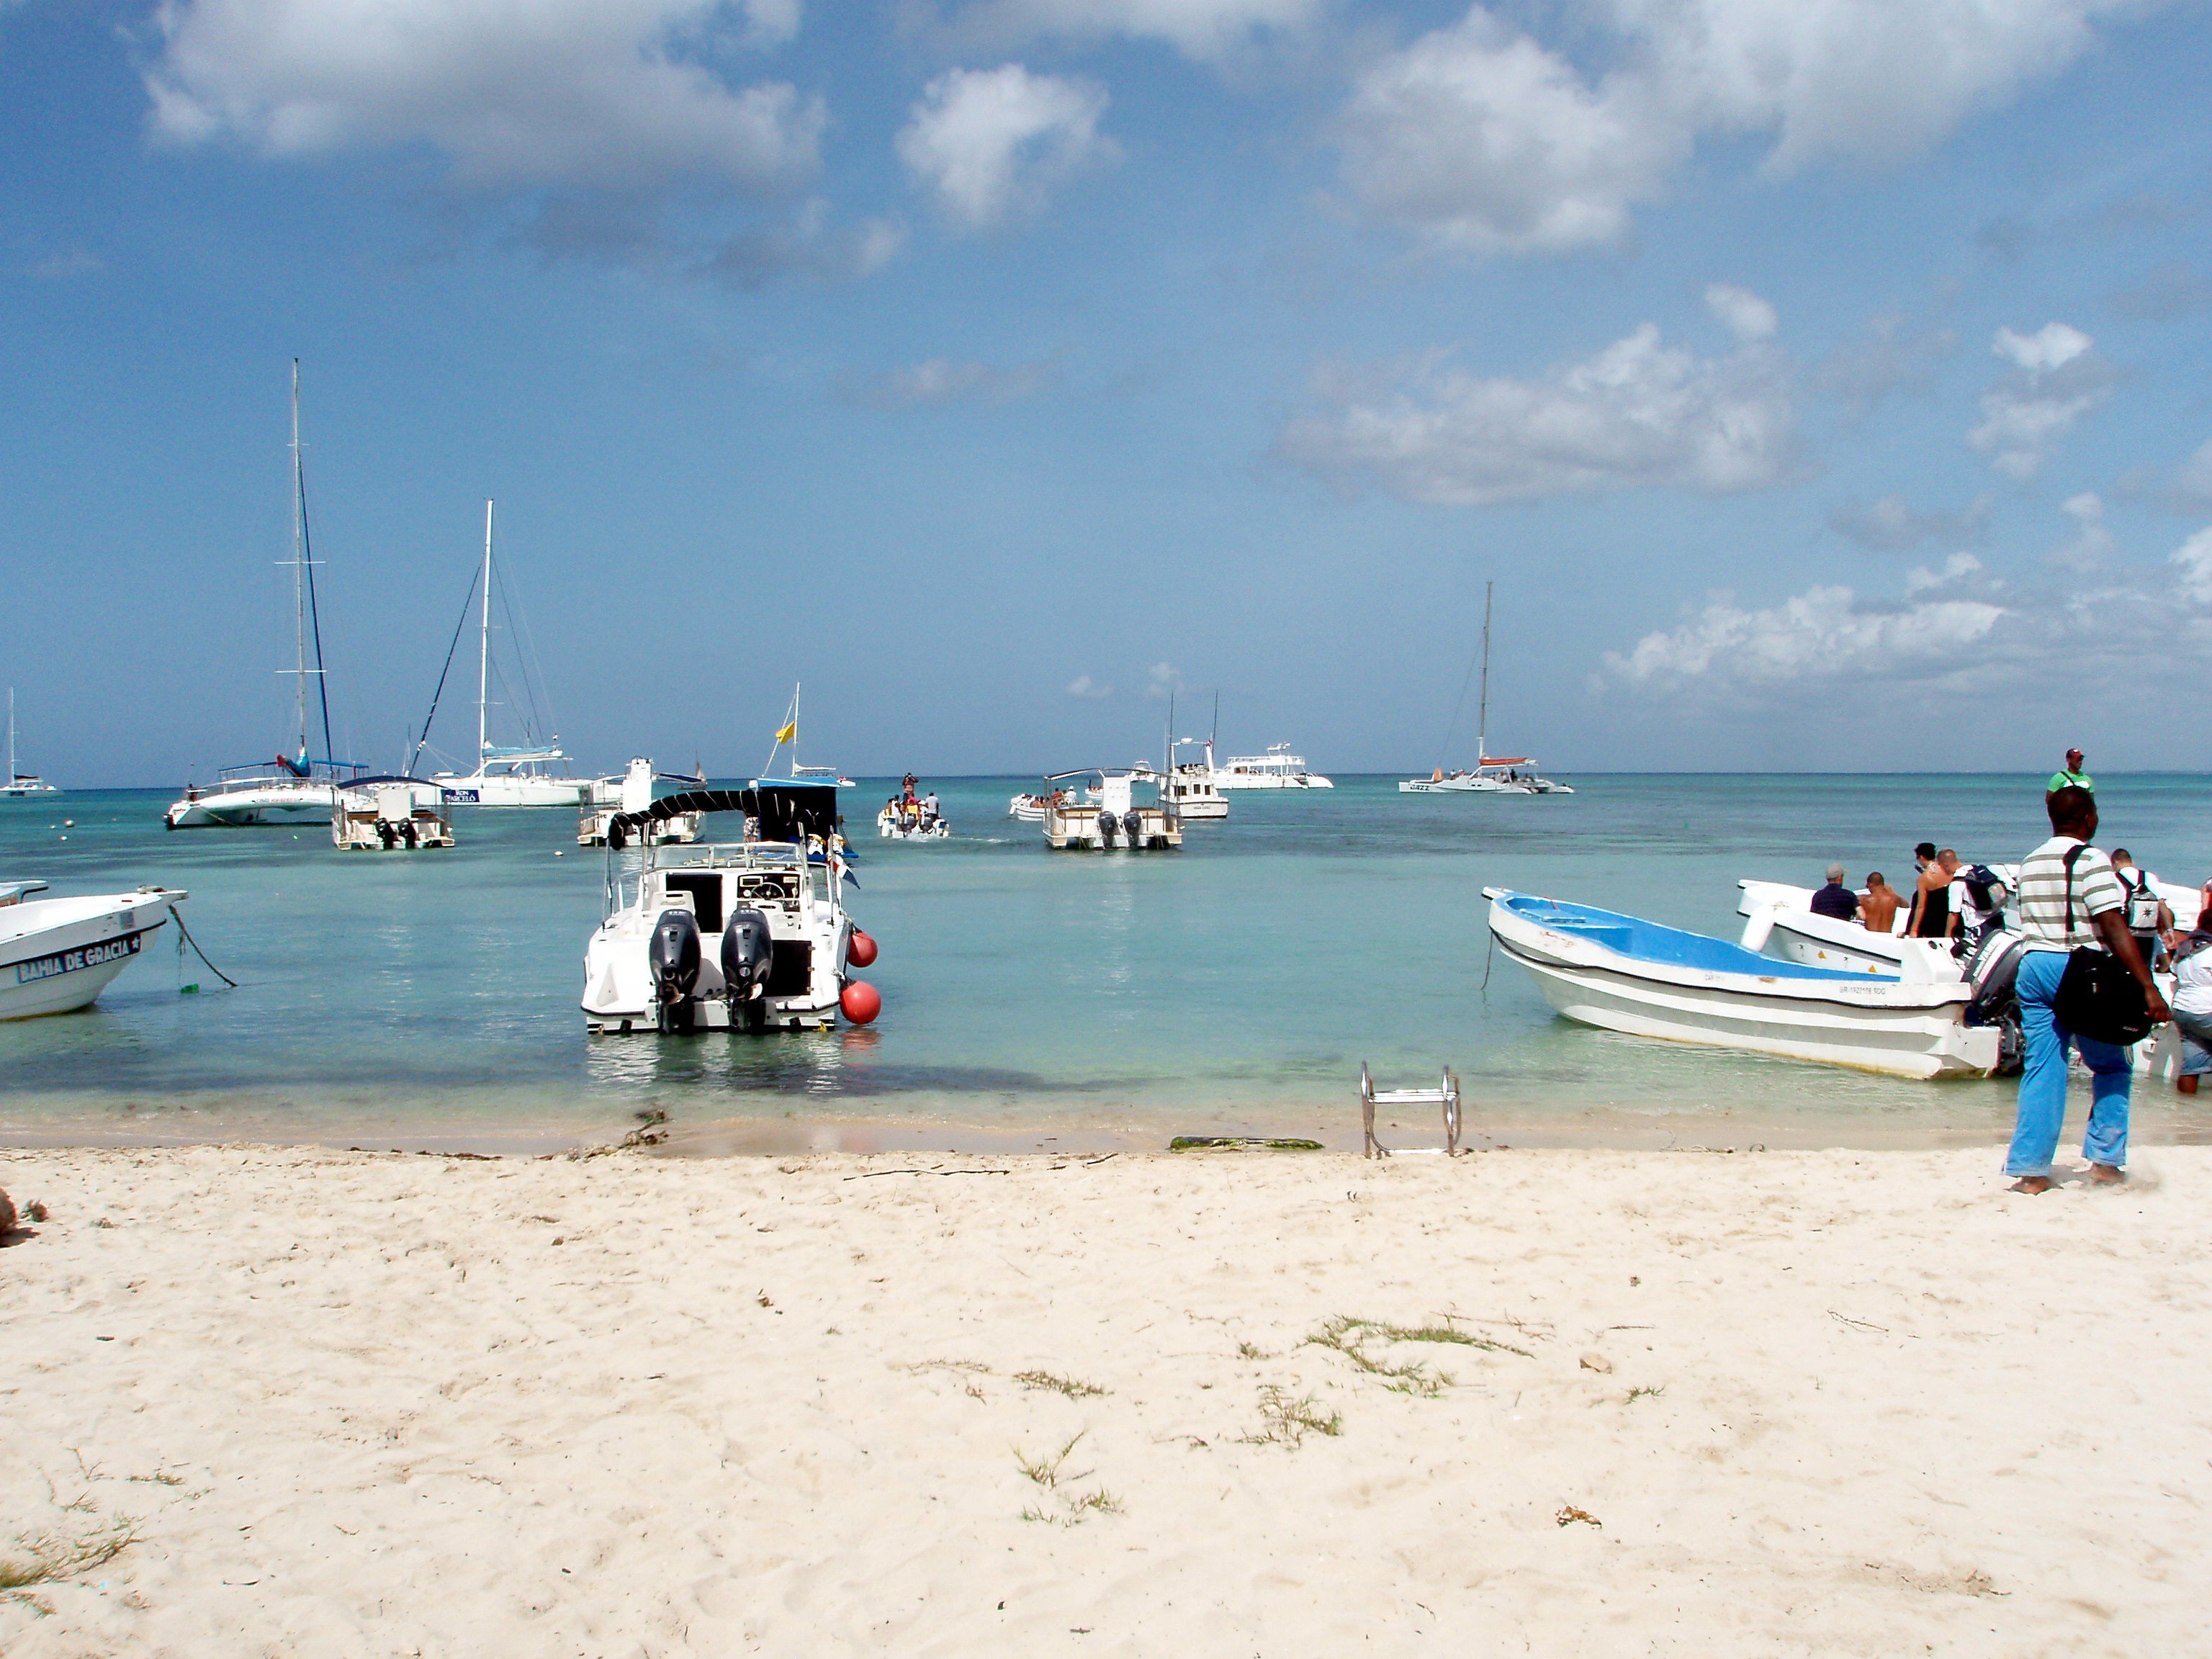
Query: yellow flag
{"points": [[788, 733]]}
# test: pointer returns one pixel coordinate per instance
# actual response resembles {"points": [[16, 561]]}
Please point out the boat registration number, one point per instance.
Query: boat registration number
{"points": [[68, 962]]}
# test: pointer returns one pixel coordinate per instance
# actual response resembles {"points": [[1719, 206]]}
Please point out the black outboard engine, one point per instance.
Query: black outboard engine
{"points": [[747, 953], [1993, 970], [673, 956], [1107, 823]]}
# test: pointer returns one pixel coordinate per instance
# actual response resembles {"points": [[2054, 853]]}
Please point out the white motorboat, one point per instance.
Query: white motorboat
{"points": [[1624, 974], [606, 799], [530, 773], [1110, 817], [1189, 785], [1029, 809], [58, 954], [15, 784], [747, 935], [902, 817], [1279, 769], [1492, 774], [281, 792], [390, 815]]}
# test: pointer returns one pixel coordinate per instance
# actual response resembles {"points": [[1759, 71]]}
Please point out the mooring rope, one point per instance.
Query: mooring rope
{"points": [[186, 934]]}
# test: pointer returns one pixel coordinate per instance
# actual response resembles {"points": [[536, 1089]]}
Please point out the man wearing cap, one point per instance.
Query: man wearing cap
{"points": [[2073, 777], [1835, 899]]}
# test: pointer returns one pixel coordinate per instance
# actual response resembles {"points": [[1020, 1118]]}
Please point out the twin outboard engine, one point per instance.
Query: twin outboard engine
{"points": [[747, 953], [673, 956]]}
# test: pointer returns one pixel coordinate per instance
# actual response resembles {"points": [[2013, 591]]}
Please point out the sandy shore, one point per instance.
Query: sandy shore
{"points": [[1762, 1404]]}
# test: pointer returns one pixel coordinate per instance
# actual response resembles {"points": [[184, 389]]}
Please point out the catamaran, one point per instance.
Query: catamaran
{"points": [[1279, 769], [1492, 774], [20, 783], [300, 790], [520, 774]]}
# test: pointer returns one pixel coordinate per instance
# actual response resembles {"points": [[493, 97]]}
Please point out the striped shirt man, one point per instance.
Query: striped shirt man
{"points": [[2041, 906]]}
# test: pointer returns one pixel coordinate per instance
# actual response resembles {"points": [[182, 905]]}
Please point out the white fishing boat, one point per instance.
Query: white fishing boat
{"points": [[1029, 809], [1189, 786], [607, 799], [530, 773], [1110, 817], [280, 791], [58, 954], [18, 784], [903, 817], [750, 934], [1491, 775], [390, 815], [1279, 769], [1624, 974]]}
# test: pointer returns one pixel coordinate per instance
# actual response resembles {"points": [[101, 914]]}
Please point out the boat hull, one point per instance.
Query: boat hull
{"points": [[272, 807], [1882, 1025], [497, 791], [56, 955]]}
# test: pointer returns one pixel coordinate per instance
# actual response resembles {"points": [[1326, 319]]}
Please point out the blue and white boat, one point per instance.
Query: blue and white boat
{"points": [[1624, 974], [58, 954]]}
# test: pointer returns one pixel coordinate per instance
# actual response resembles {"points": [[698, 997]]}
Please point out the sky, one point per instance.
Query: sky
{"points": [[1823, 384]]}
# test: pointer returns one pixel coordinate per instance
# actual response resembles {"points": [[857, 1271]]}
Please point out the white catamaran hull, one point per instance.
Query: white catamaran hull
{"points": [[498, 790], [264, 806], [58, 954], [1887, 1025]]}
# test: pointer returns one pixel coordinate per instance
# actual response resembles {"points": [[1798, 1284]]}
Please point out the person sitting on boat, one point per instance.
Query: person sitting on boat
{"points": [[1878, 910], [1835, 899]]}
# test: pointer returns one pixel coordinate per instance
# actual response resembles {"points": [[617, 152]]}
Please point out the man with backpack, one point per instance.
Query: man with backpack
{"points": [[2149, 918], [2069, 901]]}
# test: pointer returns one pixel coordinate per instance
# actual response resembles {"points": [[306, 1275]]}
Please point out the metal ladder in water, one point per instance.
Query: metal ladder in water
{"points": [[1447, 1097]]}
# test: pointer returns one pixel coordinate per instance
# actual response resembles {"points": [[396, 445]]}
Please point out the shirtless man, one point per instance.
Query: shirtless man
{"points": [[1932, 916], [1878, 910]]}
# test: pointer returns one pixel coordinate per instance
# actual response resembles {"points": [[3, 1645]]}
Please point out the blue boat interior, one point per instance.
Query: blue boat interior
{"points": [[1675, 947]]}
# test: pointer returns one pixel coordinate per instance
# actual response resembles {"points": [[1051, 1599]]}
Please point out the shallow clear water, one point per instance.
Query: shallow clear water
{"points": [[1237, 985]]}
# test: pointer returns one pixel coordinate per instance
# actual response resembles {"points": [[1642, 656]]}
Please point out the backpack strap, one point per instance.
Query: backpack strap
{"points": [[2080, 848]]}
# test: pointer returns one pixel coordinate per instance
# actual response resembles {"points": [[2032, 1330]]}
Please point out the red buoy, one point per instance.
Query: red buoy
{"points": [[860, 950], [861, 1001]]}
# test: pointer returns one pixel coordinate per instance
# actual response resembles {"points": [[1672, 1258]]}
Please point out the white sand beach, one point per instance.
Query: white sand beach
{"points": [[1765, 1403]]}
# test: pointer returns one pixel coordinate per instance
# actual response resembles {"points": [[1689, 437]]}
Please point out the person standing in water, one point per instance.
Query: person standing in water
{"points": [[2072, 777]]}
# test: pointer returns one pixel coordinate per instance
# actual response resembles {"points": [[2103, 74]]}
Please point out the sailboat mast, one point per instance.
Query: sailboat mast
{"points": [[11, 734], [299, 563], [484, 645], [1482, 707]]}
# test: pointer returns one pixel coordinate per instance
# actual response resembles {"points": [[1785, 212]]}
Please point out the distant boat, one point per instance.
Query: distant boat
{"points": [[279, 792], [518, 775], [1279, 769], [1110, 816], [1189, 785], [58, 954], [1492, 774], [390, 815], [607, 799], [20, 783]]}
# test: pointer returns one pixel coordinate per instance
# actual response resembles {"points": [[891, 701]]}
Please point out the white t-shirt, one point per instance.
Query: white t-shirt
{"points": [[2192, 984], [2041, 906]]}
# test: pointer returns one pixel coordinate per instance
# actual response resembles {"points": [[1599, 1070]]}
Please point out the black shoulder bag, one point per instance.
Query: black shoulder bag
{"points": [[2098, 998]]}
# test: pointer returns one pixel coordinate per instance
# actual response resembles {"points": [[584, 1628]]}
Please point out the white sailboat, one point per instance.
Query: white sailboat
{"points": [[17, 784], [1492, 774], [505, 776], [279, 791]]}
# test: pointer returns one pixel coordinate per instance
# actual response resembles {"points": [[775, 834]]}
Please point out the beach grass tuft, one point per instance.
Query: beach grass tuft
{"points": [[1074, 1507], [1067, 1385], [1635, 1394], [52, 1556], [1351, 1337], [1285, 1421], [1252, 1351]]}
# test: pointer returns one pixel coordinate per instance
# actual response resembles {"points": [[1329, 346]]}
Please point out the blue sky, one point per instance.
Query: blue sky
{"points": [[1823, 382]]}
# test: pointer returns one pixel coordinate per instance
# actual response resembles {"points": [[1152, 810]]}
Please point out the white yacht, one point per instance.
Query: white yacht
{"points": [[20, 783], [750, 934], [390, 815], [58, 954], [608, 798], [279, 791], [532, 774], [1110, 816], [1279, 769], [1492, 774]]}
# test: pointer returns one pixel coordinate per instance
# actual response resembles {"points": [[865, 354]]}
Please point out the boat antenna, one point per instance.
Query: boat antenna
{"points": [[1482, 719], [1167, 768], [453, 646]]}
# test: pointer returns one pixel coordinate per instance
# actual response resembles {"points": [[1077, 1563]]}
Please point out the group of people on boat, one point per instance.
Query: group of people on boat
{"points": [[910, 812]]}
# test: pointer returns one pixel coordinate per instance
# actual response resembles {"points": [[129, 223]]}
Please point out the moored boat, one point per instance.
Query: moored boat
{"points": [[1492, 774], [1624, 974], [58, 954], [607, 799], [1110, 817], [1279, 769], [390, 815], [15, 783]]}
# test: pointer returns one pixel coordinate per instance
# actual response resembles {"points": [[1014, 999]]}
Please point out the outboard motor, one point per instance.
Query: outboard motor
{"points": [[1107, 823], [1993, 970], [747, 953], [673, 956]]}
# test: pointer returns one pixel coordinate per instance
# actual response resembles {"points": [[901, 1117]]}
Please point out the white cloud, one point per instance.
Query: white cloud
{"points": [[2092, 546], [1162, 680], [1479, 138], [1957, 567], [941, 380], [2052, 346], [1892, 525], [1639, 414], [1742, 313], [1088, 689], [2194, 480], [1822, 635], [596, 93], [2193, 559], [990, 141], [2056, 380], [1204, 29]]}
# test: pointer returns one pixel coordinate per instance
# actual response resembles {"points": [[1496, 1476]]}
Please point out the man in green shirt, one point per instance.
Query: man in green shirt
{"points": [[2073, 777]]}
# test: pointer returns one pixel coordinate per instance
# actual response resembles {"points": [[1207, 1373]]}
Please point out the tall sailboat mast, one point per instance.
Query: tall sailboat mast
{"points": [[483, 647], [11, 734], [1482, 707], [299, 563]]}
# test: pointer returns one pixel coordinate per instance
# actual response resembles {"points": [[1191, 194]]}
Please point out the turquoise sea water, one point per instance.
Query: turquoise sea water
{"points": [[431, 998]]}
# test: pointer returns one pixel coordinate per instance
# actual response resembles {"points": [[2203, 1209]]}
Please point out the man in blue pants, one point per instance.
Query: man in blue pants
{"points": [[2069, 898]]}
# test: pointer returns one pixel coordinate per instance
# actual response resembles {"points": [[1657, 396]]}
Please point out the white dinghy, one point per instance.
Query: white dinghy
{"points": [[1624, 974], [58, 954]]}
